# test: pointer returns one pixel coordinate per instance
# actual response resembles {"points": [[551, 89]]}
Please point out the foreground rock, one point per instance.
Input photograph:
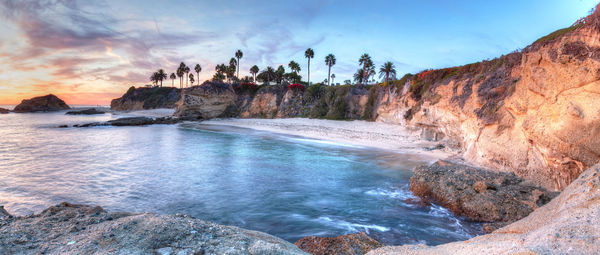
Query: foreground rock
{"points": [[4, 111], [80, 229], [567, 225], [146, 98], [130, 121], [209, 100], [353, 244], [48, 103], [91, 111], [476, 193]]}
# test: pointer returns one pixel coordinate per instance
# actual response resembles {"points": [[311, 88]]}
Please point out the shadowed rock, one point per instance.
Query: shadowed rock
{"points": [[353, 244], [476, 193], [81, 229], [131, 121], [91, 111], [47, 103], [4, 111]]}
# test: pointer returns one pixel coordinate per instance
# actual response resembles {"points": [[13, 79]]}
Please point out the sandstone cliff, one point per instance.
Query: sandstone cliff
{"points": [[531, 112], [210, 100], [146, 98]]}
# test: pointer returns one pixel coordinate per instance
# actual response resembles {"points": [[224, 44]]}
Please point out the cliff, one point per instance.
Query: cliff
{"points": [[146, 98], [529, 112], [48, 103]]}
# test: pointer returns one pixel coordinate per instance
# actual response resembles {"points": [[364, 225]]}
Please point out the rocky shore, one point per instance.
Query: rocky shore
{"points": [[80, 229]]}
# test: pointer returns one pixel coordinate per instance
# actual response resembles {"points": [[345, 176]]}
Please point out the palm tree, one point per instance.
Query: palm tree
{"points": [[359, 76], [269, 74], [173, 76], [180, 72], [280, 72], [198, 69], [191, 78], [254, 70], [332, 77], [294, 66], [161, 75], [387, 70], [187, 71], [238, 55], [230, 71], [309, 53], [154, 77], [329, 61], [367, 63]]}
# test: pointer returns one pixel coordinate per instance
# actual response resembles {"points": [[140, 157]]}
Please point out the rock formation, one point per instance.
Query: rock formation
{"points": [[146, 98], [80, 229], [91, 111], [48, 103], [353, 244], [209, 100], [4, 111], [481, 195], [566, 225]]}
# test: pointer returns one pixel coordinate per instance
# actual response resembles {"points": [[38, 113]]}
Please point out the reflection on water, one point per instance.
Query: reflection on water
{"points": [[286, 186]]}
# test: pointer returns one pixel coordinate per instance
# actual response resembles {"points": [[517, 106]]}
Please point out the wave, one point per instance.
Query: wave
{"points": [[349, 226]]}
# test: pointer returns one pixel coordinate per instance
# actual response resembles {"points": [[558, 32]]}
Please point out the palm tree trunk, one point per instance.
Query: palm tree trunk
{"points": [[329, 76], [308, 71], [172, 82], [198, 77], [238, 67]]}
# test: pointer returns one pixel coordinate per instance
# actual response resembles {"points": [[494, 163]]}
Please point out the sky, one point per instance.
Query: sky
{"points": [[89, 52]]}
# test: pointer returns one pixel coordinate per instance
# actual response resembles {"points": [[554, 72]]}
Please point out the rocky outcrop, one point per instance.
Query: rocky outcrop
{"points": [[4, 111], [566, 225], [91, 111], [209, 100], [479, 194], [352, 244], [48, 103], [80, 229], [265, 103], [146, 98], [531, 112], [129, 121]]}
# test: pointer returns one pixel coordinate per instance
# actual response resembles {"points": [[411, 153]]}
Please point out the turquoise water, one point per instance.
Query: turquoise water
{"points": [[286, 186]]}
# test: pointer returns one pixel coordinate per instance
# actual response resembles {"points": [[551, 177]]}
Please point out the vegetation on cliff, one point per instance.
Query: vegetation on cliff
{"points": [[146, 98]]}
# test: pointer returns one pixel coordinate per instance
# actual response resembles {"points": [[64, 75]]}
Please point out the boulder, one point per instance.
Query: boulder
{"points": [[353, 244], [91, 111], [4, 111], [477, 193], [46, 103], [80, 229], [209, 100], [567, 225]]}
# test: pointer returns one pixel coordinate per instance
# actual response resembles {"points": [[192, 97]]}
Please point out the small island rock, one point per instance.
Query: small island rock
{"points": [[48, 103]]}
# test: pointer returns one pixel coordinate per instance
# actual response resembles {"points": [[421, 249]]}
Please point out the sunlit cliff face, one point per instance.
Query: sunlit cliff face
{"points": [[88, 52]]}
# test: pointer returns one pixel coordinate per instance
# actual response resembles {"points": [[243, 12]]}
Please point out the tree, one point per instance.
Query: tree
{"points": [[329, 61], [154, 77], [238, 55], [191, 78], [387, 70], [295, 67], [180, 73], [187, 71], [268, 75], [254, 70], [332, 77], [230, 71], [173, 77], [368, 67], [280, 72], [161, 75], [198, 69], [309, 53]]}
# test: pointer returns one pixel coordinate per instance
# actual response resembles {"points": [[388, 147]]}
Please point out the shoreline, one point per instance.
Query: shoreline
{"points": [[361, 133]]}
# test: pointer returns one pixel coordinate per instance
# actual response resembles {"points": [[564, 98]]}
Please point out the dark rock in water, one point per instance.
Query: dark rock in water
{"points": [[63, 126], [478, 194], [47, 103], [90, 111], [132, 121], [4, 215], [359, 243], [80, 229], [4, 111]]}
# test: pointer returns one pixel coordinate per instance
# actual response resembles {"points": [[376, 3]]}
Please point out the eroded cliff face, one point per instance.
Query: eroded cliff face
{"points": [[146, 98], [534, 113], [210, 100]]}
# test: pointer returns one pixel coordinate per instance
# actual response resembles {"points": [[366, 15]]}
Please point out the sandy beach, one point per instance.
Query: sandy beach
{"points": [[363, 133]]}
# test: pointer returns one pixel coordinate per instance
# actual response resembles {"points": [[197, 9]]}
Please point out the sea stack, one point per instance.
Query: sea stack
{"points": [[48, 103]]}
